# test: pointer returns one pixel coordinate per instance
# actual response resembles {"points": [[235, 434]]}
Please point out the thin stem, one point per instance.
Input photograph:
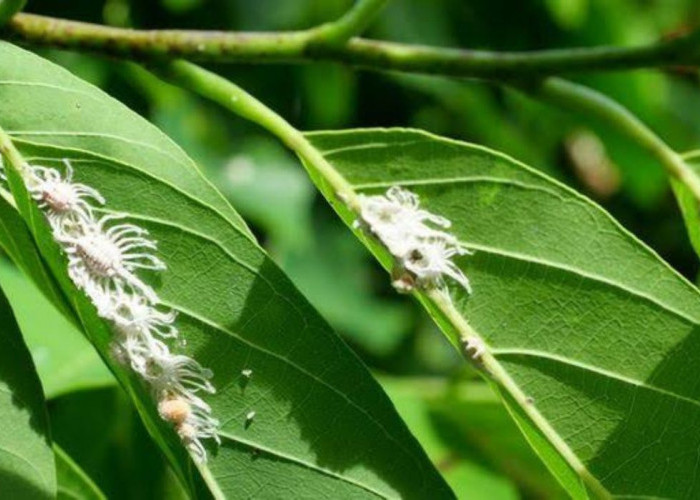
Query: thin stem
{"points": [[234, 98], [353, 23], [303, 46], [592, 103]]}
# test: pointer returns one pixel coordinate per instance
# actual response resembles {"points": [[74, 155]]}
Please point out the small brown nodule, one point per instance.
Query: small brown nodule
{"points": [[174, 410]]}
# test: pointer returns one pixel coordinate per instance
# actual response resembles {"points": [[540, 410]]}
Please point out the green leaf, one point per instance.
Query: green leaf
{"points": [[27, 468], [688, 203], [112, 446], [323, 426], [64, 359], [593, 339], [17, 243], [73, 483]]}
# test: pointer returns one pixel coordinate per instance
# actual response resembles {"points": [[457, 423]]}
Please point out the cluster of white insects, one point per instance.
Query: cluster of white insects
{"points": [[104, 254], [417, 239]]}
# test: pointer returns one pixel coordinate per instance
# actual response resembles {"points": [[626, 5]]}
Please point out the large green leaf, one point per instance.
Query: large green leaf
{"points": [[593, 338], [323, 426], [27, 469]]}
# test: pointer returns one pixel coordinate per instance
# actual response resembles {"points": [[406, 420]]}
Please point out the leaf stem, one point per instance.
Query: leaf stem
{"points": [[234, 98], [584, 100], [304, 46], [353, 23]]}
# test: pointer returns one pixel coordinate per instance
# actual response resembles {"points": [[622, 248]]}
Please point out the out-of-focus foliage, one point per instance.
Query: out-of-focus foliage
{"points": [[64, 359], [391, 333], [101, 432], [467, 432]]}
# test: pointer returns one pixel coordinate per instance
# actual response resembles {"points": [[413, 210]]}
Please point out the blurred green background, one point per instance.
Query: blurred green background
{"points": [[455, 416]]}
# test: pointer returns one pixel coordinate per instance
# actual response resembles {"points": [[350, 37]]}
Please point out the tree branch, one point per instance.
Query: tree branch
{"points": [[303, 46]]}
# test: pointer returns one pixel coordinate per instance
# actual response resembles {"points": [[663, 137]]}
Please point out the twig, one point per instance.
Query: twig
{"points": [[587, 101], [303, 46]]}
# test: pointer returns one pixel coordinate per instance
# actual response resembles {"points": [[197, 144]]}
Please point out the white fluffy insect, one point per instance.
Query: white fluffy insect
{"points": [[417, 239], [431, 261], [178, 374], [192, 420], [131, 312], [61, 198], [102, 260], [139, 351], [197, 424], [175, 410]]}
